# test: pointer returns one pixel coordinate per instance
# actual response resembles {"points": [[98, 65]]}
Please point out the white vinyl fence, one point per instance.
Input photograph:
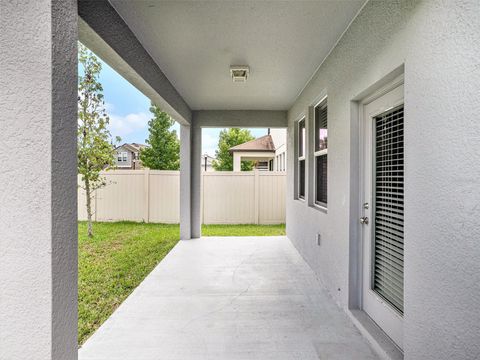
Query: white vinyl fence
{"points": [[153, 196]]}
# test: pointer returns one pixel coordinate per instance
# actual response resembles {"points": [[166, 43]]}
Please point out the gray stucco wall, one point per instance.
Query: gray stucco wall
{"points": [[244, 118], [438, 43], [38, 211]]}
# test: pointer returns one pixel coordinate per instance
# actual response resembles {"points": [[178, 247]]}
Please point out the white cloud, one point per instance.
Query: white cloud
{"points": [[109, 107], [209, 142], [209, 151], [125, 125]]}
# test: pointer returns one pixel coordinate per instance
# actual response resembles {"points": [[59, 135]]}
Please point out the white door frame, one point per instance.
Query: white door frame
{"points": [[386, 98]]}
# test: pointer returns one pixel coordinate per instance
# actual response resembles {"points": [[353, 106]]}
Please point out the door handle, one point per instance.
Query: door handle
{"points": [[364, 220]]}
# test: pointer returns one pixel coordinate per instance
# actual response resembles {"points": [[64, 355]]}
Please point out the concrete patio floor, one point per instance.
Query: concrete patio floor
{"points": [[229, 298]]}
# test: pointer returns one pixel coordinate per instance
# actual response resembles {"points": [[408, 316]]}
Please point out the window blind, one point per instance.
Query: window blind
{"points": [[301, 159], [389, 207], [301, 185], [321, 126], [320, 154], [321, 167]]}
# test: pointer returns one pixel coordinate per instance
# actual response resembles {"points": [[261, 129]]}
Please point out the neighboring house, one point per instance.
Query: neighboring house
{"points": [[127, 156], [206, 162], [279, 137], [268, 152]]}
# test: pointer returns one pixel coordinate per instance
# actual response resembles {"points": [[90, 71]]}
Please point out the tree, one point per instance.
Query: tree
{"points": [[164, 150], [227, 139], [94, 149]]}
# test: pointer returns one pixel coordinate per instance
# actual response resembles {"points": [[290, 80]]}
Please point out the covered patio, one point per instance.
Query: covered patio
{"points": [[233, 298], [410, 285]]}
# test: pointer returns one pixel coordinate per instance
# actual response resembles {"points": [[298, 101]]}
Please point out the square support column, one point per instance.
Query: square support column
{"points": [[196, 184], [185, 182], [38, 207], [190, 182]]}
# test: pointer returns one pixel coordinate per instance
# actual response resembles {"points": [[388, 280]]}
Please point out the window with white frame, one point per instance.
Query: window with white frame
{"points": [[321, 152], [301, 159], [119, 156], [125, 156]]}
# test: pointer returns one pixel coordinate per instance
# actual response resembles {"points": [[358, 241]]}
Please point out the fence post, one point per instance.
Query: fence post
{"points": [[146, 173], [257, 196]]}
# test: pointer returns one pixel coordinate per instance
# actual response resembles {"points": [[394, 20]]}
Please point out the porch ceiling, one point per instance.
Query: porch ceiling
{"points": [[194, 43]]}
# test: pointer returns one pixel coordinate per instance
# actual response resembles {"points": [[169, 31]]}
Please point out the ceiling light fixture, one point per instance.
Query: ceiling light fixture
{"points": [[239, 73]]}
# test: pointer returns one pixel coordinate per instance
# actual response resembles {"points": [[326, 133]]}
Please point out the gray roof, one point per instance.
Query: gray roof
{"points": [[264, 143], [133, 147]]}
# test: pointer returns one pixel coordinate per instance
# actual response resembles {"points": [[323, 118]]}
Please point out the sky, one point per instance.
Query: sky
{"points": [[128, 110]]}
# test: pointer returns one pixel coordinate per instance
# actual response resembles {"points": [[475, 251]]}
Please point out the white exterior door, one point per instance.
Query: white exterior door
{"points": [[383, 212]]}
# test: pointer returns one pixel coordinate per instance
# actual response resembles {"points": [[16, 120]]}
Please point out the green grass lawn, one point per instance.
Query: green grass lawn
{"points": [[243, 230], [121, 254]]}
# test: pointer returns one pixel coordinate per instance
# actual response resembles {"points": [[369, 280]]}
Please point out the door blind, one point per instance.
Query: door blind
{"points": [[389, 210]]}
